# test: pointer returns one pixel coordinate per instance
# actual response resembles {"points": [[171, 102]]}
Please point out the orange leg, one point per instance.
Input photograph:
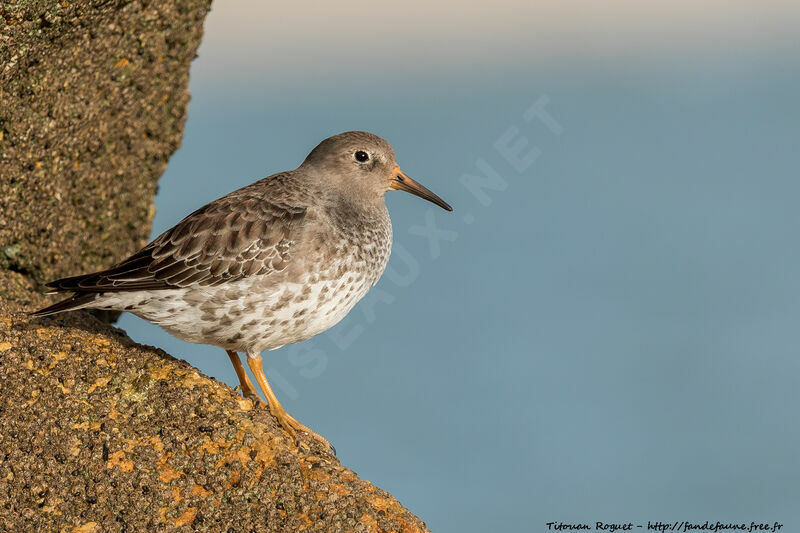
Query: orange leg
{"points": [[286, 420], [247, 386]]}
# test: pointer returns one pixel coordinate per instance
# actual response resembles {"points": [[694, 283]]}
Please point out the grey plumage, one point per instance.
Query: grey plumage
{"points": [[272, 263], [246, 233]]}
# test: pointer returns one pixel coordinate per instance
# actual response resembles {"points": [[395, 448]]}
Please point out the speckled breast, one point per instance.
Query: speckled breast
{"points": [[266, 312]]}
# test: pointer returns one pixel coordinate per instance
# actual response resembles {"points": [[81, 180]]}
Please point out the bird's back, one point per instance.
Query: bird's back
{"points": [[267, 265]]}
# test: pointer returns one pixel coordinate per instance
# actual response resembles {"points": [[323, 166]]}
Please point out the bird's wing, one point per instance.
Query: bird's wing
{"points": [[239, 235]]}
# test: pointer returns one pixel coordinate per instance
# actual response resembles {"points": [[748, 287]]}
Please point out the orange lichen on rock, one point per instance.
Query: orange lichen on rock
{"points": [[167, 473], [87, 426], [88, 527], [57, 357], [186, 518], [369, 522], [160, 372], [43, 333], [118, 459], [199, 490], [99, 382]]}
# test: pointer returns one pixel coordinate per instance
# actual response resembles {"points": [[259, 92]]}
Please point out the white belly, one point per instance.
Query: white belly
{"points": [[252, 314]]}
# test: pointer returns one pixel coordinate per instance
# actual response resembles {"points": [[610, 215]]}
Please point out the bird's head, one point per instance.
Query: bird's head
{"points": [[361, 164]]}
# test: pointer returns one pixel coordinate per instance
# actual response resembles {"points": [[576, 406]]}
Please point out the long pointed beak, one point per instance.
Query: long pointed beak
{"points": [[402, 182]]}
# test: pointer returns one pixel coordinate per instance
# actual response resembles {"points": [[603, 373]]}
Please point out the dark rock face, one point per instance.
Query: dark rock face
{"points": [[93, 98], [98, 433]]}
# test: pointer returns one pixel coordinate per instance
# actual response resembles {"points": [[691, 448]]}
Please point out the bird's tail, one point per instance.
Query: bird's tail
{"points": [[76, 301]]}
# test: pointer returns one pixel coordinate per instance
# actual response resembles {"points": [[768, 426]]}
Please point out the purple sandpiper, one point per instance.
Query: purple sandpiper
{"points": [[273, 263]]}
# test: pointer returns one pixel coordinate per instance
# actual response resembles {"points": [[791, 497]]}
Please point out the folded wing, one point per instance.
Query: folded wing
{"points": [[239, 235]]}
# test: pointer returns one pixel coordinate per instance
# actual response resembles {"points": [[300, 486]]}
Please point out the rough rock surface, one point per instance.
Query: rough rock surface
{"points": [[93, 99], [98, 433], [101, 434]]}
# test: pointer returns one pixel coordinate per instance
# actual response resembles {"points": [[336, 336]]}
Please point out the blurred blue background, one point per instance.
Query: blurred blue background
{"points": [[608, 330]]}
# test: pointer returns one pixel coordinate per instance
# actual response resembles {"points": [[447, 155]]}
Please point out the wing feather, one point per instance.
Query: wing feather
{"points": [[249, 232]]}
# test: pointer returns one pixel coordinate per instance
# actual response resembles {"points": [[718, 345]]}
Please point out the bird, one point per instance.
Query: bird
{"points": [[272, 263]]}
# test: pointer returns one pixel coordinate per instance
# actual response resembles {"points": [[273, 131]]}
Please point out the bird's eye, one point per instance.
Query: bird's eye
{"points": [[361, 156]]}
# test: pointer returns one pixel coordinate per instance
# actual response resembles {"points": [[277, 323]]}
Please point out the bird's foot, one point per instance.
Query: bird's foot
{"points": [[250, 394], [293, 427], [287, 421]]}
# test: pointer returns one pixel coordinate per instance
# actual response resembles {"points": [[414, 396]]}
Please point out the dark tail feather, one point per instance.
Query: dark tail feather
{"points": [[75, 301]]}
